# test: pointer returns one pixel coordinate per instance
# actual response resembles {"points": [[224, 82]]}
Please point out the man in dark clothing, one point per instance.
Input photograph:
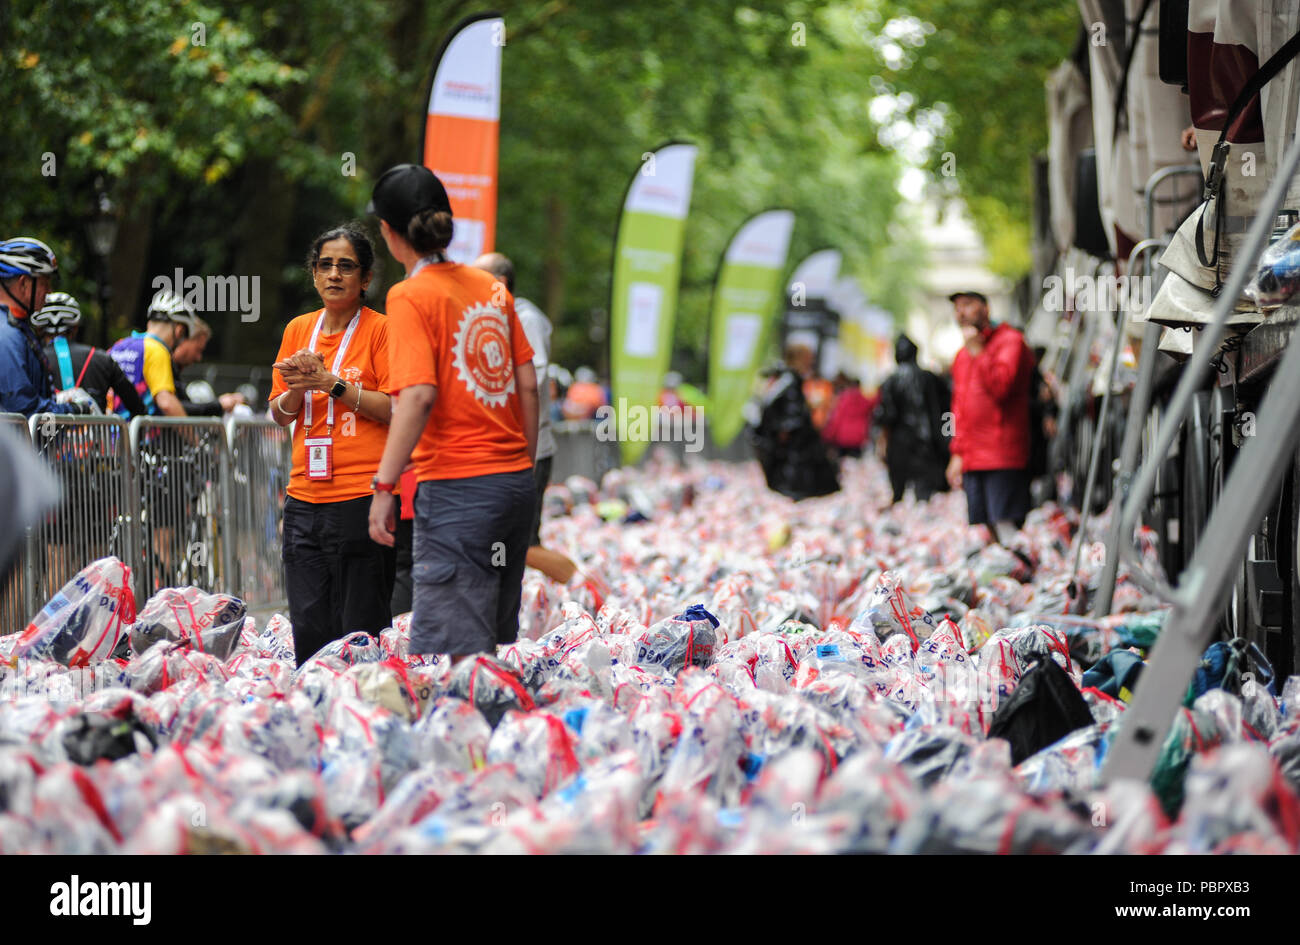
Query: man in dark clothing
{"points": [[27, 267], [80, 365], [788, 446], [910, 415], [1043, 412]]}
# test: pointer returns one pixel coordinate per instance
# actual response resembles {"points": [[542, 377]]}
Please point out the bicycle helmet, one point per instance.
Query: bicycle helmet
{"points": [[168, 306], [59, 315], [26, 256]]}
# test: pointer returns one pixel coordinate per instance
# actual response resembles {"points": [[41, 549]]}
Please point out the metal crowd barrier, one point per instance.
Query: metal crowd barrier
{"points": [[179, 500], [180, 465], [97, 512], [261, 457], [15, 594], [578, 451], [193, 501]]}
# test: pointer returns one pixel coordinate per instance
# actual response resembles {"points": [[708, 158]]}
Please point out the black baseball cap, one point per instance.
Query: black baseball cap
{"points": [[403, 191], [974, 295]]}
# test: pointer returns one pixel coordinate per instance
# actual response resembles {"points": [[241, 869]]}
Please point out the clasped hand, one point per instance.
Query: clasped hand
{"points": [[304, 370]]}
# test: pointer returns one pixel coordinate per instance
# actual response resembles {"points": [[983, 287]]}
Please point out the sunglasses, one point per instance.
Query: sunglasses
{"points": [[346, 267]]}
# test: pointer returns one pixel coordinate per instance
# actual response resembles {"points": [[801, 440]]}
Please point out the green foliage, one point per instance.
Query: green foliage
{"points": [[984, 64], [222, 130], [117, 87]]}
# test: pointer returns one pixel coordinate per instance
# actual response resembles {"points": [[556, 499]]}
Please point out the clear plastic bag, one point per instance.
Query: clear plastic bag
{"points": [[490, 686], [354, 648], [209, 623], [890, 613], [1277, 277], [83, 623], [987, 816], [276, 640], [689, 639]]}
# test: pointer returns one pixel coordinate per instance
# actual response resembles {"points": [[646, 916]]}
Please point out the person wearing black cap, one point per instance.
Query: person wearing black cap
{"points": [[910, 417], [466, 417], [990, 406]]}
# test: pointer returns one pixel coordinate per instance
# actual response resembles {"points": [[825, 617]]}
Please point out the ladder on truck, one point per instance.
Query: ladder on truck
{"points": [[1205, 580]]}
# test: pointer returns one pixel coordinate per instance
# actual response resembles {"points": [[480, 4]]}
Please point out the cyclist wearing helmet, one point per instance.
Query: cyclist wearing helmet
{"points": [[26, 378], [146, 356], [189, 350], [80, 365]]}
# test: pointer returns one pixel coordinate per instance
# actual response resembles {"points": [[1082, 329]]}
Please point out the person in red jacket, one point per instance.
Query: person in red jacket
{"points": [[990, 406], [849, 423]]}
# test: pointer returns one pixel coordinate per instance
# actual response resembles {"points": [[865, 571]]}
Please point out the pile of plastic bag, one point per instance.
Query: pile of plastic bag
{"points": [[728, 672]]}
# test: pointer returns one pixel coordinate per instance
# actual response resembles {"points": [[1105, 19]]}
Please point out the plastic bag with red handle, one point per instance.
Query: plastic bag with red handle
{"points": [[83, 623], [689, 639], [210, 623], [490, 686]]}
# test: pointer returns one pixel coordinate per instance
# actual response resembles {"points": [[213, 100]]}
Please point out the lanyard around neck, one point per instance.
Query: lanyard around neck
{"points": [[426, 261], [64, 354], [338, 364]]}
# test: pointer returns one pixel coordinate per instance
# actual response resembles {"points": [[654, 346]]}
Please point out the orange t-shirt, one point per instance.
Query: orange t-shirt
{"points": [[358, 441], [450, 326]]}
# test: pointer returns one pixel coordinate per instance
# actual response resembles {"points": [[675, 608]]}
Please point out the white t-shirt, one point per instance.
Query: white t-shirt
{"points": [[537, 328]]}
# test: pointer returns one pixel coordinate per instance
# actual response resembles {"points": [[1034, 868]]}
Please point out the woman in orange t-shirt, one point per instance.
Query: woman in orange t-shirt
{"points": [[466, 416], [331, 379]]}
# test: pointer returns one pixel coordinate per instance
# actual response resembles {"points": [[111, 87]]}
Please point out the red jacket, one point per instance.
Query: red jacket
{"points": [[850, 421], [990, 402]]}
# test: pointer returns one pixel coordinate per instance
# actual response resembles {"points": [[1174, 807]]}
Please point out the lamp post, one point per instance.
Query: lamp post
{"points": [[101, 230]]}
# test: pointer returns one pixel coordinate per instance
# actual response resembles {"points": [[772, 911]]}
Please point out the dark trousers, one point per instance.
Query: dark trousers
{"points": [[996, 495], [339, 581], [926, 478], [402, 590], [542, 476], [471, 539]]}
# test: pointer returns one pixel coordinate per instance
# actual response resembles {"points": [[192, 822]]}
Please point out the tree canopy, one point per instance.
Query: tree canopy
{"points": [[227, 135]]}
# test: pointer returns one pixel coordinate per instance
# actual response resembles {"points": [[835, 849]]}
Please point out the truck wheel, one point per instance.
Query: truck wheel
{"points": [[1195, 474], [1163, 507], [1084, 431], [1234, 619], [1285, 653]]}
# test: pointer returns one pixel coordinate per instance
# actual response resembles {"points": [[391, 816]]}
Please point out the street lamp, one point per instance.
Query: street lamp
{"points": [[101, 230]]}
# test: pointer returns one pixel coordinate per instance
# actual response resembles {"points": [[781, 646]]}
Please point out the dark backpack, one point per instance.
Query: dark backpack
{"points": [[1042, 709]]}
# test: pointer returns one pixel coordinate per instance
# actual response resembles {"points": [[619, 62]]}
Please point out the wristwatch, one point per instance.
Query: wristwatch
{"points": [[377, 486], [338, 390]]}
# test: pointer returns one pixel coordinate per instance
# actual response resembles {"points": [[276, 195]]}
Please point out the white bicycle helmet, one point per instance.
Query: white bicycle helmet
{"points": [[26, 256], [59, 315], [167, 305]]}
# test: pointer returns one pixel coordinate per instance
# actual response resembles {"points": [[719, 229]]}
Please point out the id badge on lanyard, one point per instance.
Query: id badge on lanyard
{"points": [[320, 449], [320, 457]]}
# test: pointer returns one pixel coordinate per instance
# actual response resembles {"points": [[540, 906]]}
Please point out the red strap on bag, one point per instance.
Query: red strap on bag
{"points": [[525, 700], [398, 667], [90, 794], [562, 761]]}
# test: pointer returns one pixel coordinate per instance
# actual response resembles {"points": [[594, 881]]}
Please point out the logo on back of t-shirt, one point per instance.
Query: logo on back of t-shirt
{"points": [[481, 354]]}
